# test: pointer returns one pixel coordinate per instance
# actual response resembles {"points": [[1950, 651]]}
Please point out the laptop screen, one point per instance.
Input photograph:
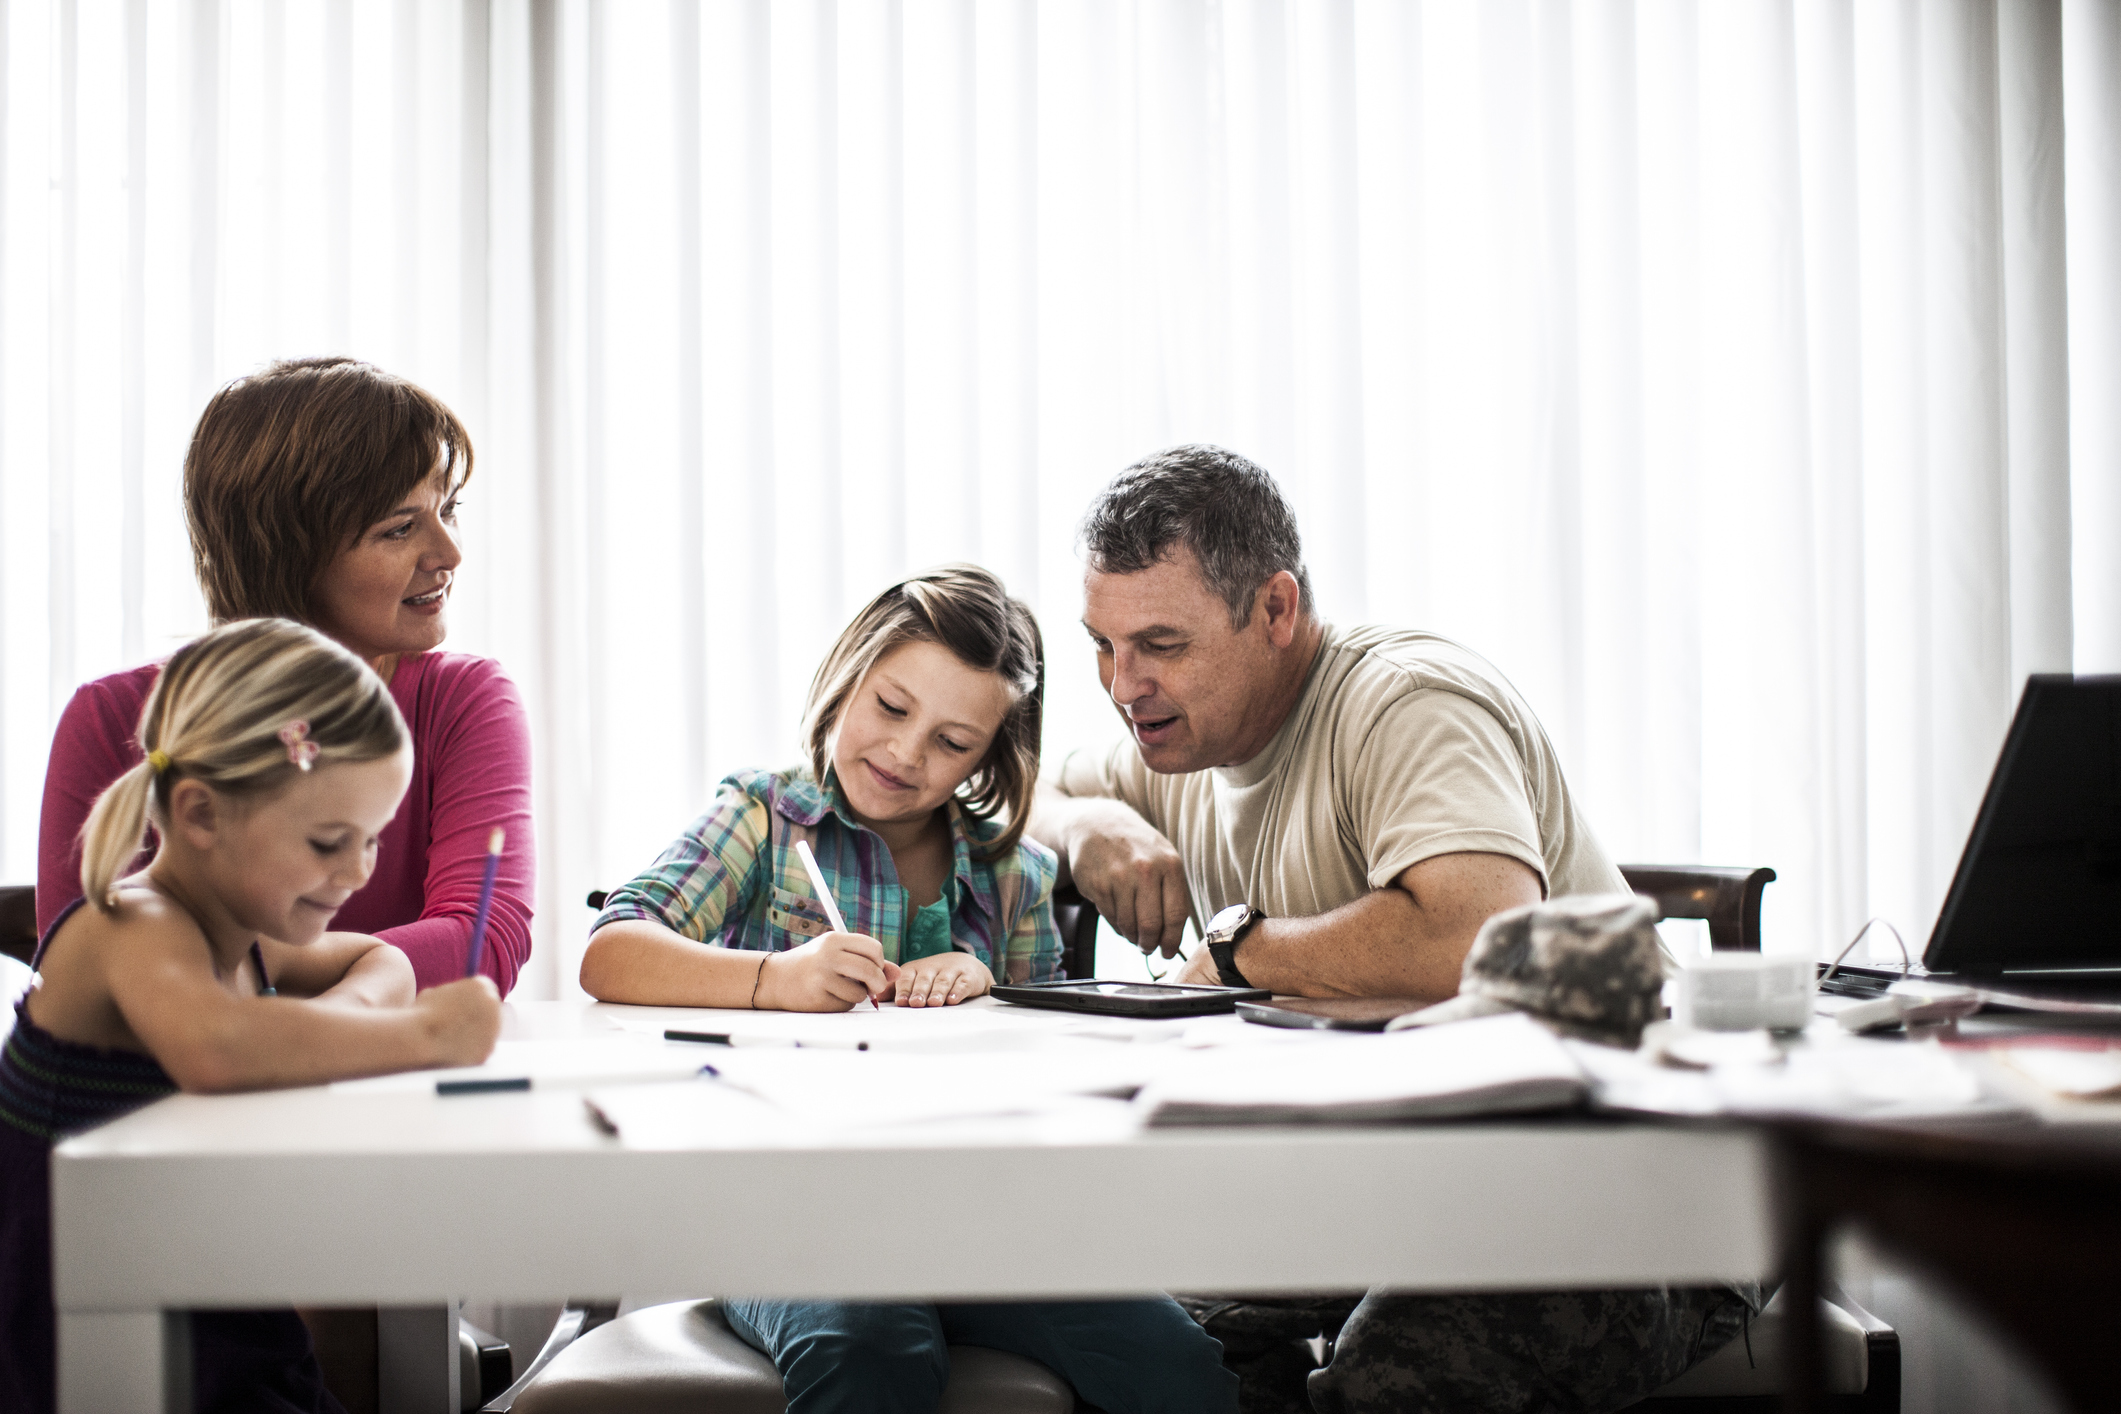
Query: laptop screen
{"points": [[2039, 885]]}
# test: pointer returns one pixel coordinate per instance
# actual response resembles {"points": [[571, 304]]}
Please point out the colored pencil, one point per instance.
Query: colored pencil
{"points": [[824, 895], [477, 952]]}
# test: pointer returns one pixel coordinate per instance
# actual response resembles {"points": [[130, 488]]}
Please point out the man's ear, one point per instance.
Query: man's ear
{"points": [[196, 813], [1281, 604]]}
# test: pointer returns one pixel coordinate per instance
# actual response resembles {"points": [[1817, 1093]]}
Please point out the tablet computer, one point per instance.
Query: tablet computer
{"points": [[1328, 1013], [1129, 998]]}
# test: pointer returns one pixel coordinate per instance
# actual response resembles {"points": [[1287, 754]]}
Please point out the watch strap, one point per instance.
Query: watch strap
{"points": [[1223, 949], [1225, 955]]}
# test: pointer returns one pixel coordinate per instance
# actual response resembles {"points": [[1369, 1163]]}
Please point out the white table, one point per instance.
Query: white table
{"points": [[409, 1200]]}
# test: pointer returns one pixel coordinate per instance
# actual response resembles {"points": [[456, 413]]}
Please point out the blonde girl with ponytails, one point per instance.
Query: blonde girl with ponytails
{"points": [[274, 759]]}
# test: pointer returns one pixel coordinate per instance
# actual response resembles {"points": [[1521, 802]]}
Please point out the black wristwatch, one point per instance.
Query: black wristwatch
{"points": [[1225, 931]]}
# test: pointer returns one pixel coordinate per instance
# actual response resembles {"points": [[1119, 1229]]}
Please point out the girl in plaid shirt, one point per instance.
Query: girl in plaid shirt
{"points": [[923, 734], [923, 728]]}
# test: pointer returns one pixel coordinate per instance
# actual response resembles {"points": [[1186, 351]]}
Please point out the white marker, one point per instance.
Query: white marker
{"points": [[824, 896]]}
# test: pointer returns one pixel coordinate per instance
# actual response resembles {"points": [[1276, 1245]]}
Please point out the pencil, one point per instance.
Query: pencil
{"points": [[477, 952], [824, 895]]}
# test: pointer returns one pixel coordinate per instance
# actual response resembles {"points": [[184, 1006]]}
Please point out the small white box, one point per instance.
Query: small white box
{"points": [[1741, 991]]}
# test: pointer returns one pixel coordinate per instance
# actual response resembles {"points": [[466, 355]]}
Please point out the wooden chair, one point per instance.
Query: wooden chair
{"points": [[18, 922], [1729, 899]]}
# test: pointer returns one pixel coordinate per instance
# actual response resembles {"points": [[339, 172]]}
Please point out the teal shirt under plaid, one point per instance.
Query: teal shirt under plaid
{"points": [[734, 878]]}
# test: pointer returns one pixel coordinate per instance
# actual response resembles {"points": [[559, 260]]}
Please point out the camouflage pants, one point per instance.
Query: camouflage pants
{"points": [[1567, 1352]]}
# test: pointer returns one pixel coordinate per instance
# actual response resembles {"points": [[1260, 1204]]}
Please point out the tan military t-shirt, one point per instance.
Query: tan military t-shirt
{"points": [[1403, 745]]}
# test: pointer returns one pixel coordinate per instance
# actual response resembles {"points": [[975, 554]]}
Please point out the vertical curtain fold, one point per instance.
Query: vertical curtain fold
{"points": [[2091, 108]]}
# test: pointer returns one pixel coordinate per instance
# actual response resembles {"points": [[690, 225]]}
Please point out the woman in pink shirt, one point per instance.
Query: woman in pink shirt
{"points": [[325, 490]]}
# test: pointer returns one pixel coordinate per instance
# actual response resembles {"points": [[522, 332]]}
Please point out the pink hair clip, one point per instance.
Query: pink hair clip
{"points": [[300, 749]]}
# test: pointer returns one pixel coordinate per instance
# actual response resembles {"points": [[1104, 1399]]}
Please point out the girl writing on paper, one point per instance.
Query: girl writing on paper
{"points": [[272, 760], [922, 732], [923, 736]]}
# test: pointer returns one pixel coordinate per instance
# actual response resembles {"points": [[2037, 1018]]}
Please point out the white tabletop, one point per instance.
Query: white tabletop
{"points": [[398, 1196]]}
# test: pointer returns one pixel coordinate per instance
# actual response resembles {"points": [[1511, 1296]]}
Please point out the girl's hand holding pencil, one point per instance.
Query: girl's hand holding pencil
{"points": [[461, 1020], [819, 975], [831, 972]]}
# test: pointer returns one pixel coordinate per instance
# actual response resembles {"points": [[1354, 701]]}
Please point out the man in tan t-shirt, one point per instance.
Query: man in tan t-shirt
{"points": [[1376, 794]]}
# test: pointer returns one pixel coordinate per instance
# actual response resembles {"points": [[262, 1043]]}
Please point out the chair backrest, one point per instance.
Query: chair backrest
{"points": [[18, 921], [1729, 899], [1077, 922]]}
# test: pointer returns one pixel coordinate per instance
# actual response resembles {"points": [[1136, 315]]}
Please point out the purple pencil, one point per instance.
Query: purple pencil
{"points": [[478, 923]]}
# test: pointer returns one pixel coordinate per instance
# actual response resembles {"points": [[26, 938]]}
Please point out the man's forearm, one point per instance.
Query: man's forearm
{"points": [[1060, 822], [1052, 824], [1118, 861], [1380, 945], [1406, 940]]}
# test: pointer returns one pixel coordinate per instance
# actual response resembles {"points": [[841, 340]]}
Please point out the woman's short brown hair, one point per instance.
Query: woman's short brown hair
{"points": [[289, 465], [966, 610]]}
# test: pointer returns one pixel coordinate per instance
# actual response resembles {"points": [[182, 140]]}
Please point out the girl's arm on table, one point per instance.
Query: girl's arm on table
{"points": [[651, 950], [638, 961], [649, 965], [650, 944], [211, 1041], [341, 967]]}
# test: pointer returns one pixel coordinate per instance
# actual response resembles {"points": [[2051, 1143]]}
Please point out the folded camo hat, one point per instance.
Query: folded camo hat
{"points": [[1590, 963]]}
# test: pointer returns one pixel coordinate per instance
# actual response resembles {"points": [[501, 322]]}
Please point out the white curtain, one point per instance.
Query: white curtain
{"points": [[1739, 376]]}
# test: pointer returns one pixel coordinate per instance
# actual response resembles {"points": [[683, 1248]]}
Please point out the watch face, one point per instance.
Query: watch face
{"points": [[1229, 918]]}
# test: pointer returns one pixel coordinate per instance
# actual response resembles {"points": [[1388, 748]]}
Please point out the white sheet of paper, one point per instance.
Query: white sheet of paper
{"points": [[1497, 1064], [570, 1063]]}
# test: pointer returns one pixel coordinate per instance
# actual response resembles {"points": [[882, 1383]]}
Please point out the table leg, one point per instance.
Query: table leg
{"points": [[124, 1360], [417, 1368], [1804, 1235]]}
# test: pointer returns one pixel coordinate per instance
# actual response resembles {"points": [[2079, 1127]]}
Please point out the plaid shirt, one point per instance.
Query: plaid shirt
{"points": [[735, 879]]}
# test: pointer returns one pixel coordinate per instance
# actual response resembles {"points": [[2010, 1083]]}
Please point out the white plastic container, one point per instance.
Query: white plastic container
{"points": [[1742, 991]]}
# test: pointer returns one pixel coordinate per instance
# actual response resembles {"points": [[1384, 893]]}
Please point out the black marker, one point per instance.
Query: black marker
{"points": [[481, 1087]]}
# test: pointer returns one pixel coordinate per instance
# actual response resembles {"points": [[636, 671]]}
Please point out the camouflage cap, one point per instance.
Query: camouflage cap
{"points": [[1589, 963]]}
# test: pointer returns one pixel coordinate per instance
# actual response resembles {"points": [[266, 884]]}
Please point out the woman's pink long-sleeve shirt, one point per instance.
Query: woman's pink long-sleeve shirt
{"points": [[470, 772]]}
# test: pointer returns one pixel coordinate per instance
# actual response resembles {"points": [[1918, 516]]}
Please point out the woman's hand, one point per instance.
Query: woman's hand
{"points": [[831, 972], [944, 979], [462, 1019]]}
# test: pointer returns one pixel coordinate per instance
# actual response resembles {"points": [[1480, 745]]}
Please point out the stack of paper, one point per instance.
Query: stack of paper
{"points": [[2073, 1074], [1830, 1075], [828, 1091], [1494, 1065]]}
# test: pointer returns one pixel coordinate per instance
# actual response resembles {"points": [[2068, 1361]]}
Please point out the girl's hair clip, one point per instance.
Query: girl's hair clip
{"points": [[301, 751], [158, 760]]}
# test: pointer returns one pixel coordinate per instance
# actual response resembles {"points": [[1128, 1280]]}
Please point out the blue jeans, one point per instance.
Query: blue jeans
{"points": [[1122, 1356]]}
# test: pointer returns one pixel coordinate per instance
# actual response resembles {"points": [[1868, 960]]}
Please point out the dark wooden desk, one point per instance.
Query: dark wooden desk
{"points": [[2021, 1221]]}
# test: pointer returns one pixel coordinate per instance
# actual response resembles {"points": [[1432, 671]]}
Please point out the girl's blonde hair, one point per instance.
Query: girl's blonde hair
{"points": [[242, 709], [966, 610]]}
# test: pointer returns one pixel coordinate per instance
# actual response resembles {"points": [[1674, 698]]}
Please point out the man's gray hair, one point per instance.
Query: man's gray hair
{"points": [[1223, 507]]}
